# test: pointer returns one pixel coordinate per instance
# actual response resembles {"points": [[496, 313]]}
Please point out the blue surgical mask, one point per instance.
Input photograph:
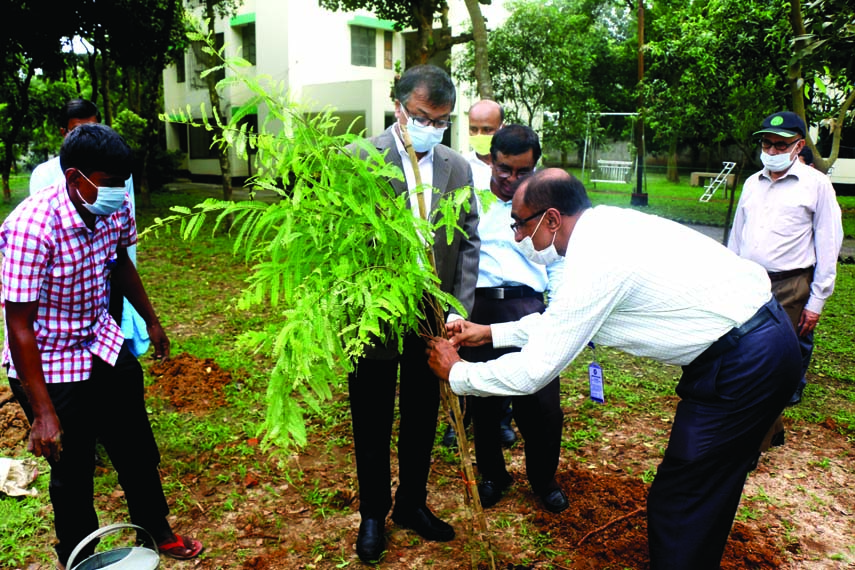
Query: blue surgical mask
{"points": [[424, 138], [109, 199]]}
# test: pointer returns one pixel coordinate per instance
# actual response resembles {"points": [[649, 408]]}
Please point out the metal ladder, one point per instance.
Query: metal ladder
{"points": [[721, 178]]}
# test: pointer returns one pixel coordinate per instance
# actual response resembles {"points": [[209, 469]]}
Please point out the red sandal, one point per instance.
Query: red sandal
{"points": [[182, 548]]}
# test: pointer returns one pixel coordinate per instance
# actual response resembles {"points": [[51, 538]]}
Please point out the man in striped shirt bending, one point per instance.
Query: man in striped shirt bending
{"points": [[653, 288]]}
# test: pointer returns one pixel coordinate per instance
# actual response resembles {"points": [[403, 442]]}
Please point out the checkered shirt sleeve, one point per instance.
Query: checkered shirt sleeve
{"points": [[51, 257]]}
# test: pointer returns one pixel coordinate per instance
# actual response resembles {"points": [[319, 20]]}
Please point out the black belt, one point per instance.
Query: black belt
{"points": [[731, 338], [781, 275], [515, 292]]}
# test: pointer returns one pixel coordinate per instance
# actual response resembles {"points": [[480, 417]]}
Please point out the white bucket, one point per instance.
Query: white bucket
{"points": [[124, 558]]}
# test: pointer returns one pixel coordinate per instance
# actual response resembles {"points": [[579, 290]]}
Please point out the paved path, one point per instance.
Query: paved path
{"points": [[847, 252]]}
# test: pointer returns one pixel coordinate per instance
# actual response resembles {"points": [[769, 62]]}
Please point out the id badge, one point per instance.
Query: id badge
{"points": [[595, 379]]}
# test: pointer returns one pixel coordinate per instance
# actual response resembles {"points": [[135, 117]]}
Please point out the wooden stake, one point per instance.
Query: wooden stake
{"points": [[449, 399]]}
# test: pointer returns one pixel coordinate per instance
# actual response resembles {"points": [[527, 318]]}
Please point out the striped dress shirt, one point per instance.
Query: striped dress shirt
{"points": [[632, 281]]}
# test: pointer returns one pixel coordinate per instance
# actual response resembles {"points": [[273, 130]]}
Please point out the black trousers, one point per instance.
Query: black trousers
{"points": [[538, 416], [727, 403], [109, 407], [372, 405]]}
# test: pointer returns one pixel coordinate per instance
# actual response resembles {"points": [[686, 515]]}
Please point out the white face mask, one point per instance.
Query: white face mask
{"points": [[109, 199], [777, 162], [423, 137], [545, 256]]}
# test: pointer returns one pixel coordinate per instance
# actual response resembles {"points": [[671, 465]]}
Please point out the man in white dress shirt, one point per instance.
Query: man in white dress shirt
{"points": [[486, 117], [653, 288], [788, 220], [509, 287]]}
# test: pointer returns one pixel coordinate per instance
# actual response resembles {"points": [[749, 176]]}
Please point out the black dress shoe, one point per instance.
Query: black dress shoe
{"points": [[507, 435], [555, 501], [797, 395], [491, 491], [370, 542], [423, 522]]}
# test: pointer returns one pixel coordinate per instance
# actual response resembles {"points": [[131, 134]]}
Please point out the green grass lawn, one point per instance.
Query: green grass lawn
{"points": [[193, 286]]}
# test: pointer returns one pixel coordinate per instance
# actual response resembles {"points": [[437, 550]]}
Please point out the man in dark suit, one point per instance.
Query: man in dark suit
{"points": [[425, 97]]}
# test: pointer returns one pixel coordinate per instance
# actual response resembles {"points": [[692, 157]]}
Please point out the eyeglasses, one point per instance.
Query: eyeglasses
{"points": [[503, 171], [779, 145], [517, 226], [425, 122]]}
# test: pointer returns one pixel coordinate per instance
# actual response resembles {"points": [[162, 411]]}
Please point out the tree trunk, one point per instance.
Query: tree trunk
{"points": [[673, 173], [482, 60], [213, 94], [76, 76], [7, 168], [106, 106], [794, 76], [93, 75], [18, 116]]}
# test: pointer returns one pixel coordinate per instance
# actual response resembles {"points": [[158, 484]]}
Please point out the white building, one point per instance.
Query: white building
{"points": [[325, 59]]}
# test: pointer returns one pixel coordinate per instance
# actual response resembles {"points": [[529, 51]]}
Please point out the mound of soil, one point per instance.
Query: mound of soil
{"points": [[606, 527], [188, 383], [14, 427]]}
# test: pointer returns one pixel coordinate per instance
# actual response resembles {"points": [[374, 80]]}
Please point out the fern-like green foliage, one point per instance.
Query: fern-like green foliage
{"points": [[339, 261]]}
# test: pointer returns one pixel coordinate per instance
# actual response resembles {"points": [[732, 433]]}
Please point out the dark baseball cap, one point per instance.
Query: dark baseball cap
{"points": [[783, 124]]}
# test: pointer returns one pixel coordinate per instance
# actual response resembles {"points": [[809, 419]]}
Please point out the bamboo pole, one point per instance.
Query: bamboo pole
{"points": [[450, 401]]}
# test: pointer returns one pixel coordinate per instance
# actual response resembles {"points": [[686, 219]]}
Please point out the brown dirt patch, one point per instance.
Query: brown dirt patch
{"points": [[607, 527], [189, 384], [14, 427]]}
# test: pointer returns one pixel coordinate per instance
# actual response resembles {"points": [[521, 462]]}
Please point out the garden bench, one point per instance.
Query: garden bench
{"points": [[697, 177]]}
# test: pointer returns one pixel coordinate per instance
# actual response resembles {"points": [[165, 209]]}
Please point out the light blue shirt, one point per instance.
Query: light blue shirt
{"points": [[133, 326], [501, 263]]}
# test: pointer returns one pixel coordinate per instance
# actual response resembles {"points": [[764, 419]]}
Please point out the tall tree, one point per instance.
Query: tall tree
{"points": [[24, 49], [419, 15], [129, 43], [823, 43], [209, 52], [717, 67], [558, 60]]}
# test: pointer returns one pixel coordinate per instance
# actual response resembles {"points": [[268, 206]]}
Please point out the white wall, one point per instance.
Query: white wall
{"points": [[308, 49]]}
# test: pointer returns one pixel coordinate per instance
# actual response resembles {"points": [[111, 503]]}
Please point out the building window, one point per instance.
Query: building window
{"points": [[196, 79], [180, 69], [387, 50], [201, 143], [247, 38], [363, 45]]}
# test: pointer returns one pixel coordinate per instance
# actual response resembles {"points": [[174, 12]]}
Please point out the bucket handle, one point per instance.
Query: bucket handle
{"points": [[107, 530]]}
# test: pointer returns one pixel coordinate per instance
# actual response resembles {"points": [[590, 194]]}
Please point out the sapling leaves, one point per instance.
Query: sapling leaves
{"points": [[338, 258]]}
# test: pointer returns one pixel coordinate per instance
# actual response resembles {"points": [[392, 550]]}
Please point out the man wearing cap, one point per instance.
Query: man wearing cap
{"points": [[788, 220]]}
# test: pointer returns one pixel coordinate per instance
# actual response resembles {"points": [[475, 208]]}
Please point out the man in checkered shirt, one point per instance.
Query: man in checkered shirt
{"points": [[67, 360]]}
